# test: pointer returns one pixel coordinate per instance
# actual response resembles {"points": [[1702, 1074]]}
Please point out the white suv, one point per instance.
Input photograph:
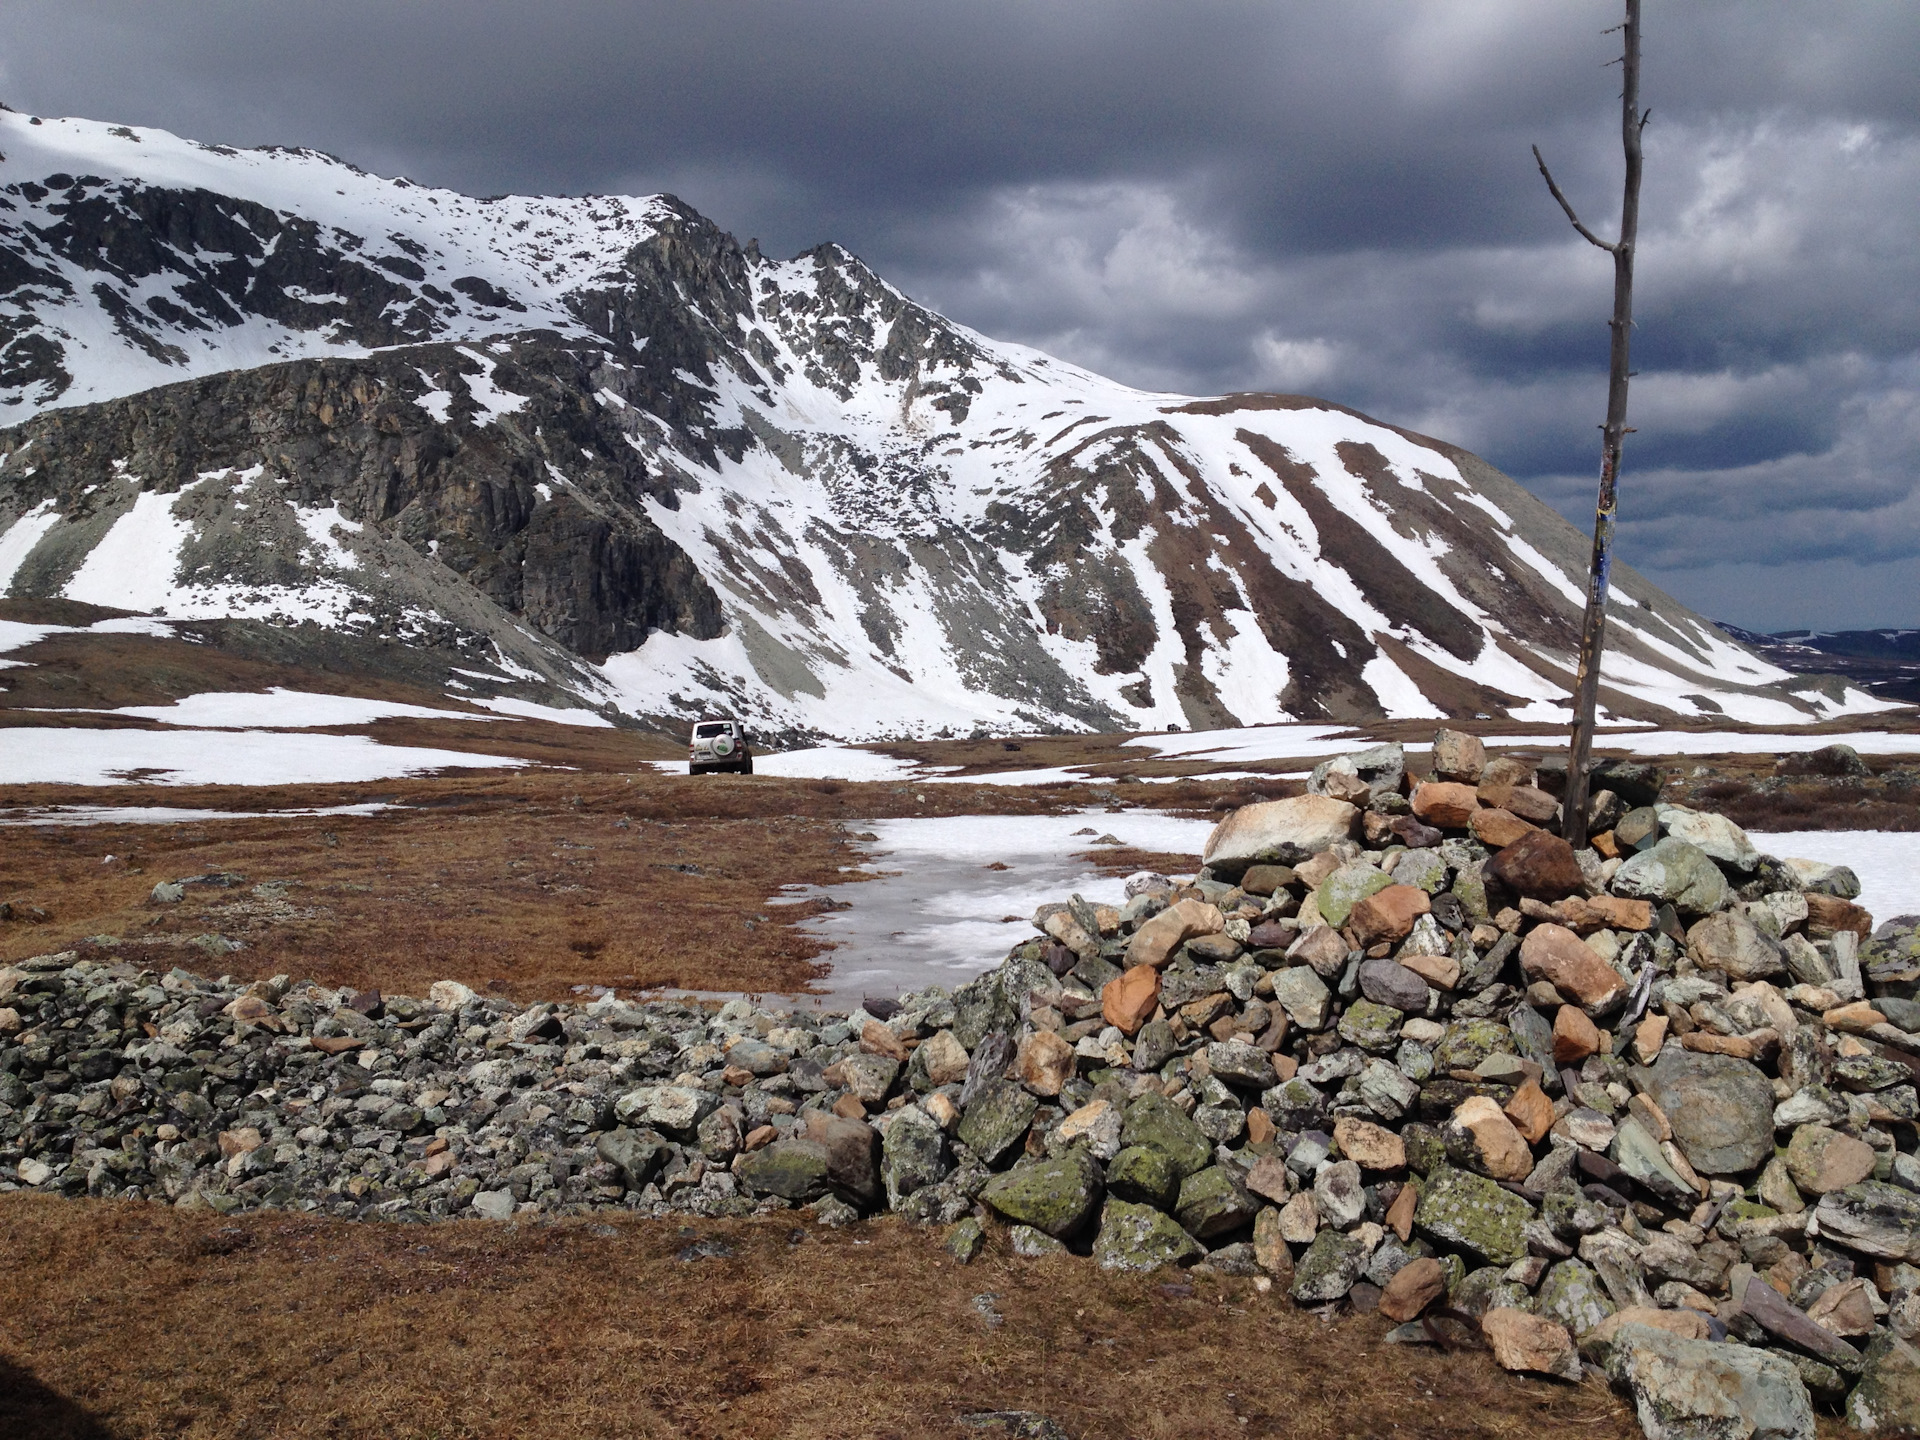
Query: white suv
{"points": [[719, 745]]}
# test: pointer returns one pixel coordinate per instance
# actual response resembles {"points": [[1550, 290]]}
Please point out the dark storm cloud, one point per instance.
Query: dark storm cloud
{"points": [[1330, 198]]}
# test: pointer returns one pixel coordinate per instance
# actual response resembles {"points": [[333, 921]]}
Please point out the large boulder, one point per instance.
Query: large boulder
{"points": [[1720, 1108], [1683, 1389], [1887, 1399], [1139, 1237], [853, 1155], [1538, 866], [1872, 1217], [1154, 1122], [635, 1154], [1213, 1202], [1735, 946], [795, 1170], [914, 1154], [1156, 940], [1363, 776], [997, 1120], [1463, 1211], [1676, 873], [1278, 832], [1329, 1268], [1057, 1196], [1715, 835]]}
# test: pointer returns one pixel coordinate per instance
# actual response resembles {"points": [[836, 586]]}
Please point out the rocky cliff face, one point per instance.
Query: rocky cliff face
{"points": [[599, 441]]}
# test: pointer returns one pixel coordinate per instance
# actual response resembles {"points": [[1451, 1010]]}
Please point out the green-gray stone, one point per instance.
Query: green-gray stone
{"points": [[1887, 1399], [1374, 1028], [1470, 1213], [1057, 1195], [1720, 1108], [1635, 1151], [997, 1119], [1138, 1237], [1327, 1271], [1571, 1296], [1033, 1244], [965, 1239], [1346, 888], [1153, 1046], [1425, 1147], [1422, 869], [637, 1157], [1468, 1042], [793, 1169], [1677, 873], [1487, 1289], [1470, 885], [914, 1155], [1143, 1176], [1532, 1036], [1213, 1202], [1158, 1124]]}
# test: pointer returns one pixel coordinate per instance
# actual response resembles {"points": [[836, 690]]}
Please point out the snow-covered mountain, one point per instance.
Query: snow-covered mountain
{"points": [[598, 442]]}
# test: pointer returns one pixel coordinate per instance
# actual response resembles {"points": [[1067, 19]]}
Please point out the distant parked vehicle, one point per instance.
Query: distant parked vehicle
{"points": [[719, 745]]}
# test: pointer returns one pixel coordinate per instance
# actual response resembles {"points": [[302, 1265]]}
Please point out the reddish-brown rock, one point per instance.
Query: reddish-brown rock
{"points": [[1387, 915], [1497, 829], [1155, 941], [877, 1039], [1445, 804], [1528, 1342], [1414, 1287], [1400, 1212], [1538, 865], [1555, 954], [1370, 1146], [1128, 1000], [1575, 1037], [1827, 914], [1044, 1062], [1531, 1112], [1501, 1150], [1585, 914]]}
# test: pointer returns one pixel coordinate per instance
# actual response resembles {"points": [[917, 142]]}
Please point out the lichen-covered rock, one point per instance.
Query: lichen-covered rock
{"points": [[997, 1119], [1683, 1389], [1571, 1295], [1674, 873], [1143, 1175], [1887, 1399], [794, 1170], [1155, 1123], [1328, 1269], [1347, 887], [1720, 1108], [1469, 1212], [1057, 1196], [1138, 1237], [913, 1154], [1373, 1028], [1874, 1218], [1213, 1202]]}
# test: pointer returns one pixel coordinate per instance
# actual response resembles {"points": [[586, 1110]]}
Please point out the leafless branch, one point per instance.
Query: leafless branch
{"points": [[1555, 188]]}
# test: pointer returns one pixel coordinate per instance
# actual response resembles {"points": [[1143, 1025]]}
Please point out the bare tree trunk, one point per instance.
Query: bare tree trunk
{"points": [[1593, 631]]}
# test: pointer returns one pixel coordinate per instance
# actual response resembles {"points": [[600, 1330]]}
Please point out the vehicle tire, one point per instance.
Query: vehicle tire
{"points": [[693, 769], [746, 766]]}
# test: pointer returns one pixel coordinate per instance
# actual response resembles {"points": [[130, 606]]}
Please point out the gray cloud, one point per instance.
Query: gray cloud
{"points": [[1331, 199]]}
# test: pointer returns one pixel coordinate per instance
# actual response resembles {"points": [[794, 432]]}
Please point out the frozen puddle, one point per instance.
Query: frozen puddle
{"points": [[935, 916]]}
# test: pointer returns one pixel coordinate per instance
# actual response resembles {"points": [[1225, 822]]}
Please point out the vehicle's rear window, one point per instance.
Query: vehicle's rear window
{"points": [[707, 732]]}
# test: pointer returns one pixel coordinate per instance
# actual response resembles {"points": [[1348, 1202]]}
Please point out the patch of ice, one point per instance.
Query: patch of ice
{"points": [[558, 715], [278, 709], [1887, 862], [21, 537], [939, 919], [48, 756], [168, 815]]}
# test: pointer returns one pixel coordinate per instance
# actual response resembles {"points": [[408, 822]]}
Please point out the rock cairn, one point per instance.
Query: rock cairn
{"points": [[1648, 1103]]}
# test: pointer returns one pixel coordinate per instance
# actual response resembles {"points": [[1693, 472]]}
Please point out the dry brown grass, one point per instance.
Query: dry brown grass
{"points": [[130, 1320], [527, 884]]}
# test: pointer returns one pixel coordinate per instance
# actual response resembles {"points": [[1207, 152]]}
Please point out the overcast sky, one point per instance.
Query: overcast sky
{"points": [[1329, 198]]}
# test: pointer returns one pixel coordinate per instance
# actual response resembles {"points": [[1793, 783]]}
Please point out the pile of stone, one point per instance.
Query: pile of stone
{"points": [[1645, 1103]]}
